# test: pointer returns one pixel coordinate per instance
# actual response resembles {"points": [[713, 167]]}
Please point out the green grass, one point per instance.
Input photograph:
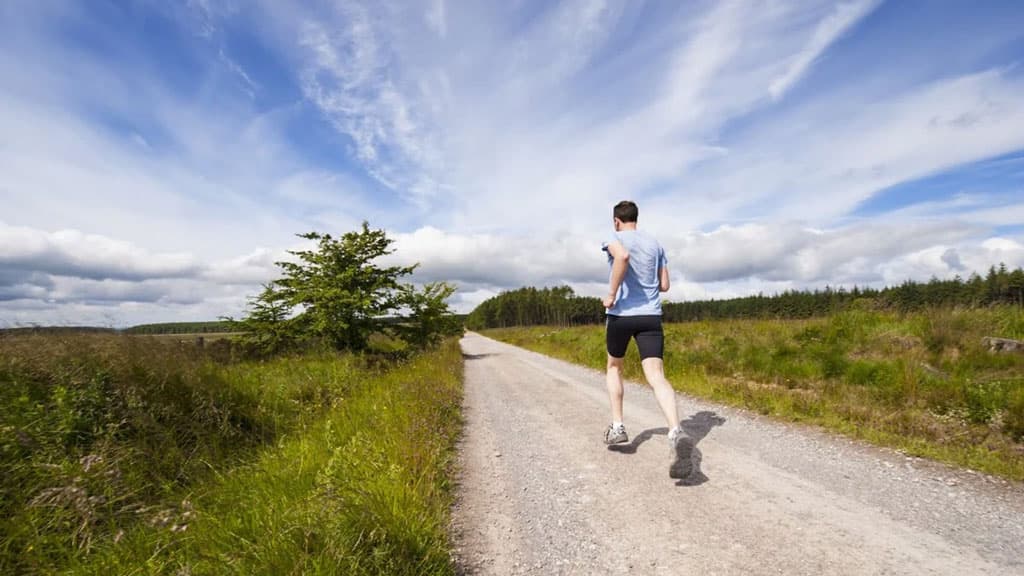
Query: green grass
{"points": [[922, 383], [132, 455]]}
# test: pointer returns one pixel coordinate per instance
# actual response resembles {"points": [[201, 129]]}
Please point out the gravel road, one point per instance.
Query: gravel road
{"points": [[540, 493]]}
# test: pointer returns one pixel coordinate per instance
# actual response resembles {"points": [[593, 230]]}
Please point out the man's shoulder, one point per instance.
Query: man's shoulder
{"points": [[647, 237], [612, 238]]}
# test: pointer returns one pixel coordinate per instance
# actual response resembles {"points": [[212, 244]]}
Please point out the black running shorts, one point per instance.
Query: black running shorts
{"points": [[646, 329]]}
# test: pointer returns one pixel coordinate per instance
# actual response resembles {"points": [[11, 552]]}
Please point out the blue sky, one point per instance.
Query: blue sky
{"points": [[158, 157]]}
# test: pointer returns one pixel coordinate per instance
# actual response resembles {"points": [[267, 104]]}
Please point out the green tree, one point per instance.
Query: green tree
{"points": [[338, 294], [429, 320], [1016, 285], [268, 326]]}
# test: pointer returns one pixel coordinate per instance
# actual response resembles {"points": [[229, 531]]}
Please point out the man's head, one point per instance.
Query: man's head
{"points": [[625, 213]]}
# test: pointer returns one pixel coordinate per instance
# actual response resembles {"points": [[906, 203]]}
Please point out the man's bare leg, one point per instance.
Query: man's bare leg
{"points": [[654, 371], [680, 444], [614, 381]]}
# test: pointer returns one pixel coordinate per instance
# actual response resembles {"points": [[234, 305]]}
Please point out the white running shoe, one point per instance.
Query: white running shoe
{"points": [[615, 434], [681, 451]]}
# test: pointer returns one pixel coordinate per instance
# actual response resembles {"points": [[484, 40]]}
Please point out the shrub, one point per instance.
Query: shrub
{"points": [[1013, 420], [983, 400]]}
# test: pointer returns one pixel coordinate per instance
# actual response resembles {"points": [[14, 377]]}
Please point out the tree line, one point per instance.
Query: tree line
{"points": [[561, 306], [530, 306], [181, 328]]}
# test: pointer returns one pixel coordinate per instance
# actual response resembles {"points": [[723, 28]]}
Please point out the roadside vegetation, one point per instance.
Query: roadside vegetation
{"points": [[923, 382], [318, 442], [139, 455]]}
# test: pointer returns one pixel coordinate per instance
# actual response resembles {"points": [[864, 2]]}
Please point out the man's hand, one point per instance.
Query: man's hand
{"points": [[609, 301]]}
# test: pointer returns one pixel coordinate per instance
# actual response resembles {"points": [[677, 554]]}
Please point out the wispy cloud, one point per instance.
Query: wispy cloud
{"points": [[830, 29], [248, 83], [351, 77]]}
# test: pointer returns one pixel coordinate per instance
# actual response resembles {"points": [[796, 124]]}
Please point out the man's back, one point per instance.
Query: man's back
{"points": [[639, 294]]}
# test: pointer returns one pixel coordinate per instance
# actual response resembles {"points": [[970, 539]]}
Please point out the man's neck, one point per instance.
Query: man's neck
{"points": [[627, 226]]}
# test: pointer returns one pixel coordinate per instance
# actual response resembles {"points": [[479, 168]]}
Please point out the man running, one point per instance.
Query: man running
{"points": [[639, 273]]}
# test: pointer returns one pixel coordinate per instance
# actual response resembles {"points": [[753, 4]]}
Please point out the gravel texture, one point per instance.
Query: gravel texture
{"points": [[540, 493]]}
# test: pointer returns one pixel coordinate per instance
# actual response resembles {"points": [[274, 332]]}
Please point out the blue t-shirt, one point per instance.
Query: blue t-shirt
{"points": [[639, 294]]}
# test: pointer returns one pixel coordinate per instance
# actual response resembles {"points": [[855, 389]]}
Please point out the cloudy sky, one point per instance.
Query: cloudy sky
{"points": [[157, 157]]}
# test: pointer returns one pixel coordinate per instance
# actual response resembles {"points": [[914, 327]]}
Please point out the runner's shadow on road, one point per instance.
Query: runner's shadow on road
{"points": [[476, 356], [637, 441], [697, 427]]}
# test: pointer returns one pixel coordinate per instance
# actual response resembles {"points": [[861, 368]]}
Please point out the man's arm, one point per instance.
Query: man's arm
{"points": [[663, 283], [619, 265]]}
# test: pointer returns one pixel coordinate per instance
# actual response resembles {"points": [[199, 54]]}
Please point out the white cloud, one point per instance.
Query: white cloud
{"points": [[66, 276], [830, 29], [350, 74], [72, 253], [498, 262], [249, 84], [191, 200], [789, 251], [111, 314], [983, 210], [728, 261], [820, 162], [947, 262], [253, 269], [464, 301]]}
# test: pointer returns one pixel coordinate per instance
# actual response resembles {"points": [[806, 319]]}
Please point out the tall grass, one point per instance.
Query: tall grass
{"points": [[139, 456], [921, 382]]}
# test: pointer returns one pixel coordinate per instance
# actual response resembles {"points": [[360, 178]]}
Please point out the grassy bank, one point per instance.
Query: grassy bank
{"points": [[132, 455], [922, 383]]}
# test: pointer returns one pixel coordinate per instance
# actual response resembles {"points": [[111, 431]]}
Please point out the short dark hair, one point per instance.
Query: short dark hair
{"points": [[626, 211]]}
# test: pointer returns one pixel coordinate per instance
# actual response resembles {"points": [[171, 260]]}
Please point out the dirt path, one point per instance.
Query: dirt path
{"points": [[541, 494]]}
